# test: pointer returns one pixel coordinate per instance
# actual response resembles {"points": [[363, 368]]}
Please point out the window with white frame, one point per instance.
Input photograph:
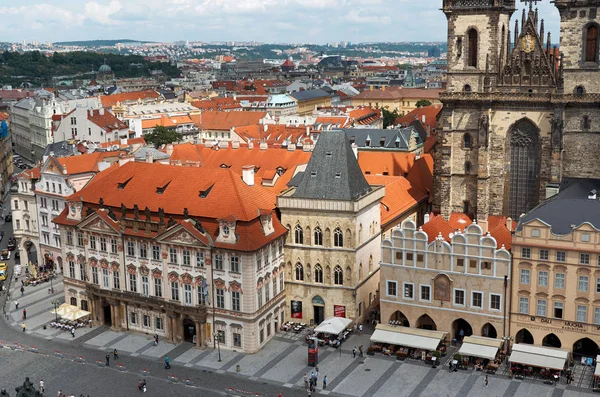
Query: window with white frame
{"points": [[425, 293], [105, 278], [156, 252], [234, 263], [220, 302], [95, 279], [459, 297], [200, 258], [114, 246], [146, 321], [145, 288], [116, 280], [495, 301], [267, 292], [143, 250], [260, 297], [408, 290], [543, 278], [558, 310], [525, 276], [132, 282], [237, 338], [258, 261], [158, 323], [477, 299], [526, 252], [103, 244], [597, 315], [93, 242], [174, 290], [187, 294], [219, 262], [173, 255], [274, 286], [581, 313], [130, 248], [133, 318], [202, 294], [281, 286], [80, 239], [544, 254], [598, 285], [69, 236], [584, 259], [392, 288], [235, 301], [583, 284], [523, 305], [186, 257], [71, 269], [561, 256], [266, 256], [559, 280], [82, 272], [541, 309], [158, 287]]}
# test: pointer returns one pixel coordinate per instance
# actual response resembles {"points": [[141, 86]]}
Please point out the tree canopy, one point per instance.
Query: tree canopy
{"points": [[389, 117], [423, 102], [162, 136]]}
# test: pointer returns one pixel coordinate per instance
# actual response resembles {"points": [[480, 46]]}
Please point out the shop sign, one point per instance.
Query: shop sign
{"points": [[296, 307], [339, 311]]}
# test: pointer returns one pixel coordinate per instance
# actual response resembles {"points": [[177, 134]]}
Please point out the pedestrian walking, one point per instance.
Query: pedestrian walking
{"points": [[325, 382], [107, 359], [167, 365], [41, 385], [59, 393], [360, 329], [24, 314], [22, 283], [354, 351], [140, 385], [155, 340], [306, 381], [360, 351], [317, 369], [144, 386], [73, 332], [115, 354], [486, 381], [23, 327], [22, 290], [16, 304]]}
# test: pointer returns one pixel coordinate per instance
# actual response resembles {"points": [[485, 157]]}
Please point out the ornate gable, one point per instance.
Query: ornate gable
{"points": [[529, 64], [52, 166], [178, 235], [97, 224]]}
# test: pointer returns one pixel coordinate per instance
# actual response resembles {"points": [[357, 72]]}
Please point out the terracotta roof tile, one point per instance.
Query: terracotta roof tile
{"points": [[218, 120], [427, 115], [109, 101], [400, 196], [392, 163], [436, 225], [86, 162], [107, 121]]}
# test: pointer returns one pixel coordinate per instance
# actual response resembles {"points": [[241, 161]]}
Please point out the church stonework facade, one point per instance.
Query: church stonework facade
{"points": [[518, 114]]}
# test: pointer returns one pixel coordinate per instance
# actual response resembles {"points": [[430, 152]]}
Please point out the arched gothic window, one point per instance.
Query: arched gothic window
{"points": [[318, 273], [318, 236], [591, 44], [299, 272], [467, 144], [467, 88], [298, 235], [525, 154], [338, 238], [338, 276], [473, 48]]}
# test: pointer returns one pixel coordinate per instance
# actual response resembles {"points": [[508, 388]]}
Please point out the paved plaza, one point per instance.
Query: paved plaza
{"points": [[283, 361]]}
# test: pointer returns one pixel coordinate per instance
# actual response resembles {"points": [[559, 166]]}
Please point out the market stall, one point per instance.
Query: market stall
{"points": [[481, 352], [333, 331], [528, 360], [406, 342]]}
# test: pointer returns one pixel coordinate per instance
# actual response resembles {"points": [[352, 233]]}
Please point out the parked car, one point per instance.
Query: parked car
{"points": [[5, 255], [12, 244], [8, 218], [2, 271]]}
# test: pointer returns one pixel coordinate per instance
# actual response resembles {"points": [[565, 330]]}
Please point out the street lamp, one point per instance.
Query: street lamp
{"points": [[218, 344], [56, 303]]}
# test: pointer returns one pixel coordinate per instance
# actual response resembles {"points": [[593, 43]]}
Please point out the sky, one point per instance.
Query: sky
{"points": [[268, 21]]}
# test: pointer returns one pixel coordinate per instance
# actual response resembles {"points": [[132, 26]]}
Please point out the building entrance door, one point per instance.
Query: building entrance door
{"points": [[107, 315], [319, 314]]}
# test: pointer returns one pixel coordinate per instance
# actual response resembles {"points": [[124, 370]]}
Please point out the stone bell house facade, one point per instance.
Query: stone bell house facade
{"points": [[518, 115], [332, 249], [435, 278], [181, 274]]}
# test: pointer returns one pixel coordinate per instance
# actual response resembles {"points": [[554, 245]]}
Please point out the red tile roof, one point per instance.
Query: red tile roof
{"points": [[85, 163], [427, 115], [392, 163], [400, 196], [273, 134], [217, 104], [458, 222], [33, 173], [109, 101], [132, 141], [421, 173], [107, 121], [436, 225]]}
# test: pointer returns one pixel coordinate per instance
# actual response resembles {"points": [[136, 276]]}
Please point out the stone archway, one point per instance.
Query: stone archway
{"points": [[189, 330], [551, 340], [524, 336], [585, 347], [426, 322], [461, 328], [31, 252], [489, 331], [398, 318]]}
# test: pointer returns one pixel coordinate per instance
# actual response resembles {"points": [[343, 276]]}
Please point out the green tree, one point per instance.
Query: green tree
{"points": [[423, 102], [162, 136], [389, 117]]}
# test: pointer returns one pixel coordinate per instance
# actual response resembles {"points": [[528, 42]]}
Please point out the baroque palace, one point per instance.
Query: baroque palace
{"points": [[182, 252], [518, 115]]}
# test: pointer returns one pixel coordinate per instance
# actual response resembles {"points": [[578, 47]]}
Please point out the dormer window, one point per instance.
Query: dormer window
{"points": [[226, 230]]}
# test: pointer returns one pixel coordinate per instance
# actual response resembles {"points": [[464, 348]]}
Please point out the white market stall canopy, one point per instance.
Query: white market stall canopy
{"points": [[537, 356], [408, 337], [597, 370], [333, 325], [479, 346]]}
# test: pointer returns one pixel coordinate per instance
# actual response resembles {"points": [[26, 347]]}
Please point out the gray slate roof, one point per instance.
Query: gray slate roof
{"points": [[571, 206], [309, 94], [398, 139], [333, 172]]}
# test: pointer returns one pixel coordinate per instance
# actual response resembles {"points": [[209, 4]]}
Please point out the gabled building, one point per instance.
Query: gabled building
{"points": [[24, 212], [182, 252], [94, 125], [331, 255], [310, 100]]}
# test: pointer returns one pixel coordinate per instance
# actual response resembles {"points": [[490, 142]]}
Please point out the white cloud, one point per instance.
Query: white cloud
{"points": [[102, 13], [364, 17]]}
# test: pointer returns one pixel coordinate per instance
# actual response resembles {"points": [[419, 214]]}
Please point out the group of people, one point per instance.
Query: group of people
{"points": [[310, 382], [360, 351]]}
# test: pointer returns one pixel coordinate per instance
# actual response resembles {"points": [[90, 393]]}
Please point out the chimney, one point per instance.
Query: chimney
{"points": [[149, 157], [248, 175], [484, 226], [263, 145], [250, 145], [170, 149], [101, 111], [425, 218], [235, 144], [509, 224]]}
